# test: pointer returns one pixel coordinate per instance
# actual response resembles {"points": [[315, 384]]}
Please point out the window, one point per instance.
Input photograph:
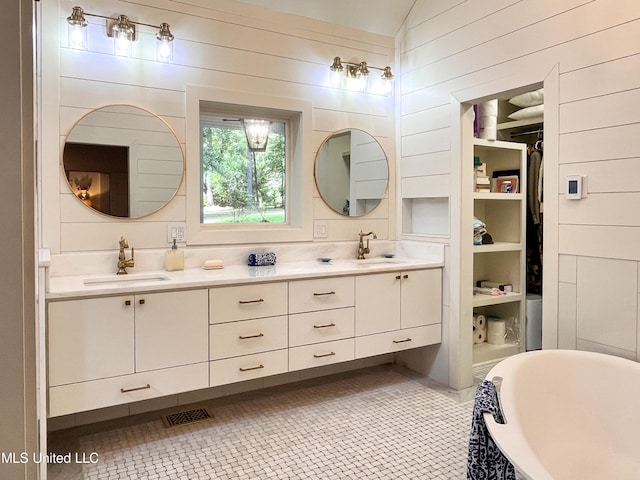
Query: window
{"points": [[243, 169], [233, 198]]}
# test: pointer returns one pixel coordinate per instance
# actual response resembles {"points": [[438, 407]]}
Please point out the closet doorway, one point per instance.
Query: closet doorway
{"points": [[504, 262]]}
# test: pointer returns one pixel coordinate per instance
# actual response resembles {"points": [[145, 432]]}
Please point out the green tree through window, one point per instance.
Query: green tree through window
{"points": [[238, 185]]}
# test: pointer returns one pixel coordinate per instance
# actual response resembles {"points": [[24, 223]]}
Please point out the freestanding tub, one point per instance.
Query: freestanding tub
{"points": [[569, 415]]}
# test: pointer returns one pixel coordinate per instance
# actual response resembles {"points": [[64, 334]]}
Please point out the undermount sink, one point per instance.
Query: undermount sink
{"points": [[125, 279], [370, 262]]}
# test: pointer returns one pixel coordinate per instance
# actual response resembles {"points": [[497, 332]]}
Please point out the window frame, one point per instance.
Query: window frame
{"points": [[296, 113]]}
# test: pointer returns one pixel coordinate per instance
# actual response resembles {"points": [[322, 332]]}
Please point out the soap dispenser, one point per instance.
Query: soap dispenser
{"points": [[174, 259]]}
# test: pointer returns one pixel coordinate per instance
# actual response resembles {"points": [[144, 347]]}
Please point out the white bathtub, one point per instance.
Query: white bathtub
{"points": [[569, 415]]}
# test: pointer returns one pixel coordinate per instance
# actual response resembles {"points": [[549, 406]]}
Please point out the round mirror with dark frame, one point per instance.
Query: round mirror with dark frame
{"points": [[123, 161], [351, 172]]}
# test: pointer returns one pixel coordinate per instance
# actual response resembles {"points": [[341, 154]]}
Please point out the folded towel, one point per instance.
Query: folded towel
{"points": [[260, 259], [485, 460], [213, 264]]}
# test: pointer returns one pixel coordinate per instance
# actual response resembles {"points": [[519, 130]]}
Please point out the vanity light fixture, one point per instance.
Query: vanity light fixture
{"points": [[357, 76], [123, 32]]}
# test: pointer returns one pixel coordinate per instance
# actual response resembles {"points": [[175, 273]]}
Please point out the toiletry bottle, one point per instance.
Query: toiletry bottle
{"points": [[174, 259]]}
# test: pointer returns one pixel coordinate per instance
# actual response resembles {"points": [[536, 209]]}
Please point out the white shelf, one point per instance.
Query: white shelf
{"points": [[520, 123], [498, 247], [480, 300], [497, 196], [484, 352]]}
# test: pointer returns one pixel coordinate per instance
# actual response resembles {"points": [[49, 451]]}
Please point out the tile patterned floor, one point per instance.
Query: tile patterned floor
{"points": [[378, 423]]}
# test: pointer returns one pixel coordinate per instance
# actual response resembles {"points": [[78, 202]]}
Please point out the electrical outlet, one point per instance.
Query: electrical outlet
{"points": [[320, 230], [178, 231]]}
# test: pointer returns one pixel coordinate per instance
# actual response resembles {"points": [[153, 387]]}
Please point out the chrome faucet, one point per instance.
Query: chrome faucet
{"points": [[361, 248], [123, 263]]}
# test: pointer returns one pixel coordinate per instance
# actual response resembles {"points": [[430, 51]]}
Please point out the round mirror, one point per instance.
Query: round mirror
{"points": [[123, 161], [351, 172]]}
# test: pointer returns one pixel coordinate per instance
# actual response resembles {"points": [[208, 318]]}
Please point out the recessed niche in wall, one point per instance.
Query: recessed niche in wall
{"points": [[426, 216]]}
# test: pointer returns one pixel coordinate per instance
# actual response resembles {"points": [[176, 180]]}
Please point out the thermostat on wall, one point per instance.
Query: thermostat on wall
{"points": [[575, 187]]}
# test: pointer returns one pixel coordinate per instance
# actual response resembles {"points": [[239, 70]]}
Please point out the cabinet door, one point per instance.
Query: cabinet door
{"points": [[90, 339], [421, 302], [171, 329], [377, 303]]}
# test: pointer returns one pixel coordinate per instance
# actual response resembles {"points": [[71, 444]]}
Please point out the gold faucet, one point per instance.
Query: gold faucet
{"points": [[361, 248], [123, 263]]}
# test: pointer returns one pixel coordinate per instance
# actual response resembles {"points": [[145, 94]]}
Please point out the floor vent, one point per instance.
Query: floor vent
{"points": [[186, 417]]}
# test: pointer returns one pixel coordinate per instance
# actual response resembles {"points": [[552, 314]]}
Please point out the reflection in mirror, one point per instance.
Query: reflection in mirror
{"points": [[351, 172], [123, 161]]}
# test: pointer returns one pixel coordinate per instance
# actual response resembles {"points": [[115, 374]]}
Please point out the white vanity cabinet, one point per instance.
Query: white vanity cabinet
{"points": [[113, 350], [321, 322], [397, 311], [247, 332]]}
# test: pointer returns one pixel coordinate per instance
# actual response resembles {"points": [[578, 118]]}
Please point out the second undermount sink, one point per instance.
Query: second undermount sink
{"points": [[125, 279]]}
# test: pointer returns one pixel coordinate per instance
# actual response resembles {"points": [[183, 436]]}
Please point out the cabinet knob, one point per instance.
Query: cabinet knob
{"points": [[141, 301], [127, 302], [397, 277], [405, 276]]}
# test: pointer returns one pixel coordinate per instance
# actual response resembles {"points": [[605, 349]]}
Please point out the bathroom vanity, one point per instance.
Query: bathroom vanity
{"points": [[112, 341]]}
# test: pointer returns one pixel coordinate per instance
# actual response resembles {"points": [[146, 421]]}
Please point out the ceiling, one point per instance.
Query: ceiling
{"points": [[377, 16]]}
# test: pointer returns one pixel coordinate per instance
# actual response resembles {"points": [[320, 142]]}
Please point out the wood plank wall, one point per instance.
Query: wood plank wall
{"points": [[221, 44], [450, 46]]}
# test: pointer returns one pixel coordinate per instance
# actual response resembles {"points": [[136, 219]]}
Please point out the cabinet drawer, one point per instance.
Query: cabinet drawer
{"points": [[321, 294], [227, 304], [78, 397], [322, 326], [247, 337], [319, 354], [396, 341], [248, 367]]}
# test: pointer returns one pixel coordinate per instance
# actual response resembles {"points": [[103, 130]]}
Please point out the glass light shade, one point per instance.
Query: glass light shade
{"points": [[122, 44], [77, 36], [164, 51], [164, 47], [257, 133]]}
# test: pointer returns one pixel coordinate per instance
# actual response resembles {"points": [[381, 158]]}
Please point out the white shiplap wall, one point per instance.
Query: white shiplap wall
{"points": [[219, 43], [453, 46]]}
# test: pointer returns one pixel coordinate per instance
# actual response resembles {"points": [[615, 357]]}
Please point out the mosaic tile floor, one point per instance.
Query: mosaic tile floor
{"points": [[378, 423]]}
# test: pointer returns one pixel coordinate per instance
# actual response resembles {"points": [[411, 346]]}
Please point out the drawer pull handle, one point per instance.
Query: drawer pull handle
{"points": [[325, 326], [244, 302], [323, 293], [402, 341], [322, 355], [135, 389], [244, 337], [251, 368]]}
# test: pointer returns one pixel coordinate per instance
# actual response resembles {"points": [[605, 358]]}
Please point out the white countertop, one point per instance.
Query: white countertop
{"points": [[73, 286]]}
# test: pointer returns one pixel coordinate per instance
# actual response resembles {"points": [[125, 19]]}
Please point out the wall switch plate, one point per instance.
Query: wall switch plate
{"points": [[177, 230], [320, 230]]}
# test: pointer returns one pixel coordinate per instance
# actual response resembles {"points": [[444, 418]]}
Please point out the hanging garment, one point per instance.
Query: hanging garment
{"points": [[534, 180]]}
